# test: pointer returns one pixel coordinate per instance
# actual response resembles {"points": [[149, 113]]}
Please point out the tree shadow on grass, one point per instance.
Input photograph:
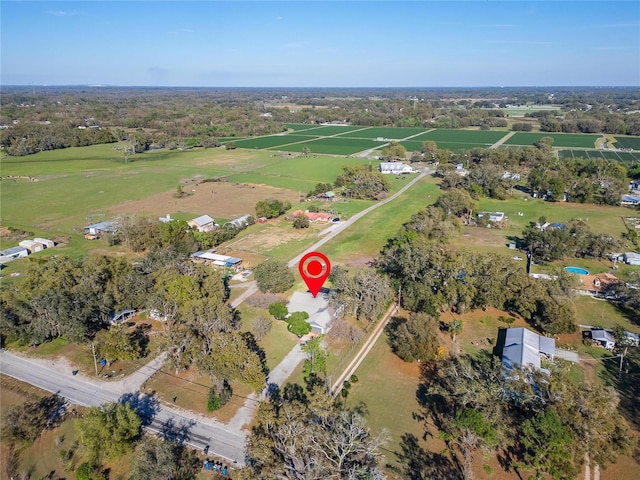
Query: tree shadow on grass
{"points": [[144, 405], [416, 463]]}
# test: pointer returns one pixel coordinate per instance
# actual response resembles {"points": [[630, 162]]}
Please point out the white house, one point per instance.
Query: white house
{"points": [[203, 223], [395, 168]]}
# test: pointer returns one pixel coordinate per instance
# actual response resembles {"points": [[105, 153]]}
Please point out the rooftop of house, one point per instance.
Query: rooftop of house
{"points": [[202, 220], [523, 347]]}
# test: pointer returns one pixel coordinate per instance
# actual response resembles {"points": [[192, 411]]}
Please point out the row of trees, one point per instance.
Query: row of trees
{"points": [[433, 277], [495, 173], [363, 182], [140, 233], [556, 242], [534, 421]]}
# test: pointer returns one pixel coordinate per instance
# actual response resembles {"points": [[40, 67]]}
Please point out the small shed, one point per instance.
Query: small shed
{"points": [[12, 253], [45, 242], [31, 245]]}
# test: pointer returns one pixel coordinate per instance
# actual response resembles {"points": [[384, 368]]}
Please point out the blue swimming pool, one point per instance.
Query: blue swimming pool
{"points": [[578, 270]]}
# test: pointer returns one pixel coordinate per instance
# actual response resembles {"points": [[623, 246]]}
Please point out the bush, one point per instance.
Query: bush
{"points": [[279, 310], [216, 400], [86, 471], [298, 323], [353, 378]]}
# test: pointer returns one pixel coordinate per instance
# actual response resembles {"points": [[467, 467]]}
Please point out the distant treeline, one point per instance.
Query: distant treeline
{"points": [[46, 118]]}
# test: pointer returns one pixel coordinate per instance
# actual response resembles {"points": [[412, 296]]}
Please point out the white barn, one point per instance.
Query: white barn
{"points": [[395, 168]]}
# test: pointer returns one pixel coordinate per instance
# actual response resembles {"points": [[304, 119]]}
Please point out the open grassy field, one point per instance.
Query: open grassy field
{"points": [[578, 140], [365, 239]]}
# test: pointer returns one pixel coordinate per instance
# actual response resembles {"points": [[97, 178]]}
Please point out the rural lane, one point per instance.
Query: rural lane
{"points": [[187, 427]]}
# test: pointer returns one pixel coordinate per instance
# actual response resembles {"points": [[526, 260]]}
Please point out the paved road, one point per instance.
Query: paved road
{"points": [[192, 429]]}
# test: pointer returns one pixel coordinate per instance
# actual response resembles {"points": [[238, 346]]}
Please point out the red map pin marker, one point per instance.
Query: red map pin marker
{"points": [[314, 269]]}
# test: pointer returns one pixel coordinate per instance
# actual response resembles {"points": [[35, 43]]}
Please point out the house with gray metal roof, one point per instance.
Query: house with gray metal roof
{"points": [[12, 253], [203, 223], [523, 348]]}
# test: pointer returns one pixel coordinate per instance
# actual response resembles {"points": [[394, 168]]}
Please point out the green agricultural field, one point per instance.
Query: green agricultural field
{"points": [[298, 127], [333, 146], [392, 133], [577, 140], [415, 146], [271, 141], [326, 130], [479, 137], [625, 158], [628, 142]]}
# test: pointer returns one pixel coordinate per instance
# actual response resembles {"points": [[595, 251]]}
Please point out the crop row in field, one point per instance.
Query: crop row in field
{"points": [[479, 137], [272, 141], [325, 130], [392, 133], [626, 158], [628, 142], [578, 140], [334, 146]]}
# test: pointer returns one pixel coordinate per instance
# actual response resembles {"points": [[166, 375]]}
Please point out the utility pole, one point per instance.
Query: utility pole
{"points": [[95, 361], [622, 355]]}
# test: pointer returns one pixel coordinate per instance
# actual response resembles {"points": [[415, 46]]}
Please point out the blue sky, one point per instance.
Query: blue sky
{"points": [[323, 44]]}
